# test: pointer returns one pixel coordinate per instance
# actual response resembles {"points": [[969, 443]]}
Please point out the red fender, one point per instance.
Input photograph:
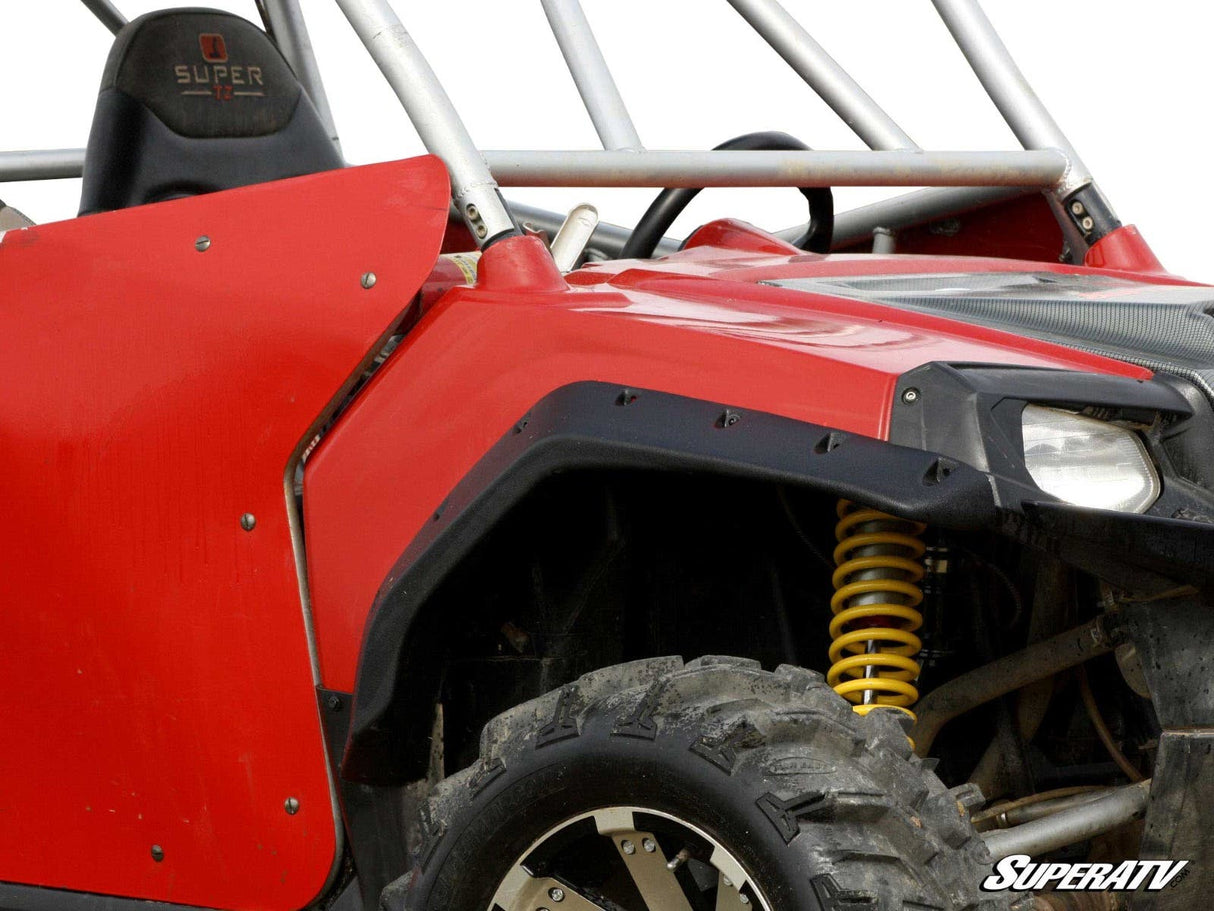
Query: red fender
{"points": [[696, 325]]}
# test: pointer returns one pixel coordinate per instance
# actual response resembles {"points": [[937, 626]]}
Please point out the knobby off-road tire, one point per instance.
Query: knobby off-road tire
{"points": [[822, 808]]}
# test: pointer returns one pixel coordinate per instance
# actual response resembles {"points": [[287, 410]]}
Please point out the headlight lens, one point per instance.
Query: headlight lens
{"points": [[1087, 462]]}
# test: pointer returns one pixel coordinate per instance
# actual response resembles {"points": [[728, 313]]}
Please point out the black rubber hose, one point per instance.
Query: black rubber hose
{"points": [[673, 200]]}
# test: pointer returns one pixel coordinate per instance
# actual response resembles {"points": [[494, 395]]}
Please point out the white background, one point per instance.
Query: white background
{"points": [[1129, 82]]}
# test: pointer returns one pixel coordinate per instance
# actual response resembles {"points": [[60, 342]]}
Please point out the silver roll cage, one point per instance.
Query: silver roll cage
{"points": [[965, 179]]}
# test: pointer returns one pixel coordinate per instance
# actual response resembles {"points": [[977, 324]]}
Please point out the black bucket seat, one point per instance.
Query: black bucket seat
{"points": [[193, 101]]}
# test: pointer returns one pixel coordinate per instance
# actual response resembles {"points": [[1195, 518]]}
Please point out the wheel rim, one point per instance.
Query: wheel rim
{"points": [[631, 859]]}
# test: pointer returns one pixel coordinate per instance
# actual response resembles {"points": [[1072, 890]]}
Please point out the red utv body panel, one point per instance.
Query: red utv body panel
{"points": [[155, 394], [158, 683], [1020, 228], [697, 324]]}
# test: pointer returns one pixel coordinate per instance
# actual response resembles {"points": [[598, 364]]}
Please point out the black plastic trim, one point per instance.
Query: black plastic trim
{"points": [[605, 426], [971, 412], [334, 707], [954, 461], [1140, 553]]}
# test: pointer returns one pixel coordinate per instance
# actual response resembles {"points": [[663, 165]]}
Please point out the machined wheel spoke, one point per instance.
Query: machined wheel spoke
{"points": [[643, 857], [731, 879], [729, 898], [521, 891], [647, 866]]}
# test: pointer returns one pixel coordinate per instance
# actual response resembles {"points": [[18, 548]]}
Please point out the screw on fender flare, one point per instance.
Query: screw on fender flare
{"points": [[291, 805], [910, 396], [202, 244], [157, 853], [248, 521], [368, 280]]}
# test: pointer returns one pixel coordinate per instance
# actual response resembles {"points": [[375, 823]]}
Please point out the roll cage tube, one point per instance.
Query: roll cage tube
{"points": [[899, 162], [1048, 161], [672, 201], [473, 188]]}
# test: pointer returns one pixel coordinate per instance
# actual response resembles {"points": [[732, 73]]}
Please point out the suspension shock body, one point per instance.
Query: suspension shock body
{"points": [[877, 593]]}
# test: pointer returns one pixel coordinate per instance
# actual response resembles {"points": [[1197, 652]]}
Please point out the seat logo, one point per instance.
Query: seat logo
{"points": [[223, 80], [214, 48]]}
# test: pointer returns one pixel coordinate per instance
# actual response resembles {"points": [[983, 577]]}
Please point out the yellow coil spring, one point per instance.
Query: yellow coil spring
{"points": [[873, 642]]}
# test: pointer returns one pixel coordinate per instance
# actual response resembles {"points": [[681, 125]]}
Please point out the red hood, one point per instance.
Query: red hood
{"points": [[722, 292]]}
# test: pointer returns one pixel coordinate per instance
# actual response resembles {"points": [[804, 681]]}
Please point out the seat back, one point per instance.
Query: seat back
{"points": [[193, 101]]}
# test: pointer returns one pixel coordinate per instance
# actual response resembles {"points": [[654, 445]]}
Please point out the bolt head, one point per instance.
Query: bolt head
{"points": [[556, 894], [248, 521], [368, 280], [291, 805], [649, 845], [628, 847], [473, 212], [481, 230], [1077, 207], [1088, 224], [202, 244], [910, 396], [334, 703], [157, 853]]}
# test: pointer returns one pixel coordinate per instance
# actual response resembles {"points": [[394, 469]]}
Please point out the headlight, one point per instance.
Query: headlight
{"points": [[1087, 462]]}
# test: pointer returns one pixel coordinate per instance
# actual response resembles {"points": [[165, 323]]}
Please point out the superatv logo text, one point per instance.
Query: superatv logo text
{"points": [[1019, 872]]}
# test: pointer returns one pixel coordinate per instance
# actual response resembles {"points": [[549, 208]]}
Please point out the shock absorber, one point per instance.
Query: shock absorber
{"points": [[877, 593]]}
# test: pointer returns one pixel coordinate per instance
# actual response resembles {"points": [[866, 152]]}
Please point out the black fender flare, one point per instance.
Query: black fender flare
{"points": [[594, 425]]}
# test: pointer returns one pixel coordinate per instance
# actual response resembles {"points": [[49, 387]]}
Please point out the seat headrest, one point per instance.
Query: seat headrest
{"points": [[194, 101], [205, 74]]}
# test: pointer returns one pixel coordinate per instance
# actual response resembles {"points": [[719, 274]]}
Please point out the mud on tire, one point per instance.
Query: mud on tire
{"points": [[823, 808]]}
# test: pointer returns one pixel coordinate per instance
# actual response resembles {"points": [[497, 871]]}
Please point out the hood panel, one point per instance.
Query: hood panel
{"points": [[1166, 328], [808, 303]]}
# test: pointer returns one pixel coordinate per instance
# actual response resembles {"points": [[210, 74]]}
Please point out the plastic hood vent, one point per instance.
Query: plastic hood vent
{"points": [[1166, 328]]}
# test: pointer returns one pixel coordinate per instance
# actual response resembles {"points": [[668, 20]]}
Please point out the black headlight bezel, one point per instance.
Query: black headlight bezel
{"points": [[972, 413]]}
